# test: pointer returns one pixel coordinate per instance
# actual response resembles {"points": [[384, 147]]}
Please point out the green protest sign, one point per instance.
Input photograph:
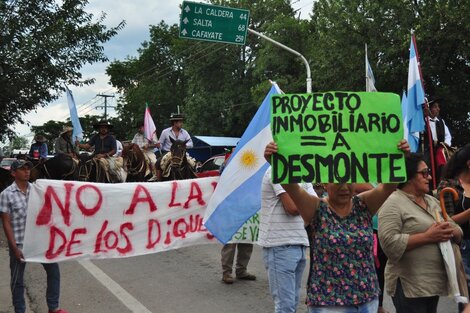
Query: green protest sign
{"points": [[337, 137]]}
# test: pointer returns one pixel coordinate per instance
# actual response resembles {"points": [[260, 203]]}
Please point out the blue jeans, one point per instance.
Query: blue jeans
{"points": [[465, 251], [17, 284], [285, 266], [368, 307]]}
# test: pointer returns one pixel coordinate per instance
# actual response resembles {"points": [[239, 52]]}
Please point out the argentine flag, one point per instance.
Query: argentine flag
{"points": [[238, 193], [77, 127], [415, 97]]}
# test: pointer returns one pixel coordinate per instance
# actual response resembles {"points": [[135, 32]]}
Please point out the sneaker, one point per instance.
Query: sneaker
{"points": [[58, 311], [227, 278], [246, 276]]}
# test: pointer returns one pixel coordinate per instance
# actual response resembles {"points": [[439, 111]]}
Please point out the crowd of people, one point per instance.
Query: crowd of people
{"points": [[363, 239]]}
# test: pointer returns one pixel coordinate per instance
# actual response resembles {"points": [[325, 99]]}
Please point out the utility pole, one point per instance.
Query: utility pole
{"points": [[105, 105]]}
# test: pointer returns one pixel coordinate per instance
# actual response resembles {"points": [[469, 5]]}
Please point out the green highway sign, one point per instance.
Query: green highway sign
{"points": [[202, 21]]}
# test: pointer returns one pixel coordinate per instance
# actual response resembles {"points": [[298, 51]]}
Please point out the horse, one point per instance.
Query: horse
{"points": [[135, 163], [105, 170], [5, 178], [61, 167], [176, 165]]}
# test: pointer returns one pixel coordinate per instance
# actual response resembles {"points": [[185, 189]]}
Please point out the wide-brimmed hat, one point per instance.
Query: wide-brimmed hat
{"points": [[176, 117], [102, 123], [19, 164], [40, 138], [432, 101], [66, 129]]}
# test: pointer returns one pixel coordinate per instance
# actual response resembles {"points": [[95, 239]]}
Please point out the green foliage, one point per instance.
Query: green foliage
{"points": [[442, 30], [18, 142], [51, 131], [43, 45]]}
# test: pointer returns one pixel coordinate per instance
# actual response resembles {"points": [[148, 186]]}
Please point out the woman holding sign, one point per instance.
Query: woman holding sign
{"points": [[410, 232], [342, 274]]}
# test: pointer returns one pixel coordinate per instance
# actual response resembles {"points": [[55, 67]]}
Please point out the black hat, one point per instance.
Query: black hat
{"points": [[435, 100], [102, 123], [176, 117], [19, 164], [40, 138]]}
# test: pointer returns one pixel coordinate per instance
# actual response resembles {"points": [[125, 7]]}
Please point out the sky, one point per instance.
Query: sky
{"points": [[139, 15]]}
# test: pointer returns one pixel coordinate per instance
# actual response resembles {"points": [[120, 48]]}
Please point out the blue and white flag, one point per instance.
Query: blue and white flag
{"points": [[415, 97], [370, 80], [77, 127], [411, 137], [238, 193]]}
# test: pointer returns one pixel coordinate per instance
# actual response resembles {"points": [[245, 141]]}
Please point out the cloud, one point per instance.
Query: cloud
{"points": [[139, 15]]}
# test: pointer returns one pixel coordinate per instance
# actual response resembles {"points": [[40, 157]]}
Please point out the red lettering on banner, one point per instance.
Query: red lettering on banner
{"points": [[99, 237], [73, 241], [168, 237], [128, 247], [151, 223], [182, 227], [214, 184], [174, 187], [44, 216], [88, 211], [195, 193], [110, 239], [50, 253], [135, 200]]}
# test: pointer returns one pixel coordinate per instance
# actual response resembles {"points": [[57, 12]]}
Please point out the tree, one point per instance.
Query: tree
{"points": [[442, 31], [18, 142], [218, 86], [43, 45], [51, 130]]}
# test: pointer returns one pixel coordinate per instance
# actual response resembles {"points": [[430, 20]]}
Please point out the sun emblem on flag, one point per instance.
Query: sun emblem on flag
{"points": [[249, 159]]}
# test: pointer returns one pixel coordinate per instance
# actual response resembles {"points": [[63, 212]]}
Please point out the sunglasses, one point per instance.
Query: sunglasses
{"points": [[425, 172]]}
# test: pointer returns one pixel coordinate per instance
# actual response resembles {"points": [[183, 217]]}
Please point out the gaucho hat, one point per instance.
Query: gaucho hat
{"points": [[102, 123], [176, 117], [40, 138]]}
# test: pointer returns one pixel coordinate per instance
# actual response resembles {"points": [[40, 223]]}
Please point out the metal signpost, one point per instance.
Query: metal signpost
{"points": [[202, 21]]}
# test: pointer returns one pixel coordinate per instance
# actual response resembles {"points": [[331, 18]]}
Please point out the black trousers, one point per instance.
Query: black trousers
{"points": [[413, 305]]}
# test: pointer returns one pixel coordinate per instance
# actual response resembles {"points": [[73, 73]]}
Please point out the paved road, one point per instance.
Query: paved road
{"points": [[185, 280]]}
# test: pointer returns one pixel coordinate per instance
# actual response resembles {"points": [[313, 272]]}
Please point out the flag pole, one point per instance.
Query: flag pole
{"points": [[367, 81], [426, 117]]}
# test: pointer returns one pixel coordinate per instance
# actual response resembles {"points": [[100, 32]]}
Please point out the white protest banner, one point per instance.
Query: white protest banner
{"points": [[69, 220]]}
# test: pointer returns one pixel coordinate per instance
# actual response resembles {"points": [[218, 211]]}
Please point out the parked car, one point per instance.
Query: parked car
{"points": [[6, 163], [211, 167]]}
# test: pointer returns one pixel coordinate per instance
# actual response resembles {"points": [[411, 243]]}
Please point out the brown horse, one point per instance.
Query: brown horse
{"points": [[175, 164], [134, 163]]}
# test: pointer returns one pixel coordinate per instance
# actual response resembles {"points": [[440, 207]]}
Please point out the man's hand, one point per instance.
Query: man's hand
{"points": [[269, 150], [18, 254]]}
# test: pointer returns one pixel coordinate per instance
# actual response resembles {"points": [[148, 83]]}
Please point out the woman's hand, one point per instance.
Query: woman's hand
{"points": [[440, 232], [269, 150], [405, 147]]}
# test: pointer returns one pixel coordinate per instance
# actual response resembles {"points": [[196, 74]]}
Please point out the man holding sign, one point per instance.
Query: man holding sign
{"points": [[13, 208], [322, 138]]}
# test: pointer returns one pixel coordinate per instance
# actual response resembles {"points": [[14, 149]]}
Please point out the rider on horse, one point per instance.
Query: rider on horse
{"points": [[104, 149], [38, 150], [147, 146], [175, 132], [63, 143]]}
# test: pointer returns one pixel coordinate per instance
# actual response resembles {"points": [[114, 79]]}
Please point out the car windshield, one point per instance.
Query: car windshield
{"points": [[6, 162]]}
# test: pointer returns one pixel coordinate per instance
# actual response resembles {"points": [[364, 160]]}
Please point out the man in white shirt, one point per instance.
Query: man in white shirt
{"points": [[175, 132], [284, 240]]}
